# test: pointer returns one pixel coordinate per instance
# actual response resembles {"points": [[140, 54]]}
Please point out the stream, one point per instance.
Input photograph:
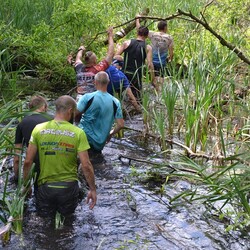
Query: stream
{"points": [[129, 214]]}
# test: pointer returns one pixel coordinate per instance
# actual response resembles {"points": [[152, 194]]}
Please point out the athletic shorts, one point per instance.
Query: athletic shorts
{"points": [[59, 197], [160, 71]]}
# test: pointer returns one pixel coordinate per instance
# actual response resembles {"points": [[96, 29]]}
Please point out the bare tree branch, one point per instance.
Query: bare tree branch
{"points": [[130, 158], [203, 17], [131, 25], [220, 38], [205, 7]]}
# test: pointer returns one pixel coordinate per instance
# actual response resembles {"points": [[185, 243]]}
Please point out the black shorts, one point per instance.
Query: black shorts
{"points": [[160, 71], [59, 197]]}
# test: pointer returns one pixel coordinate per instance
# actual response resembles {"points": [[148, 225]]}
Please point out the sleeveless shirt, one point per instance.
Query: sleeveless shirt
{"points": [[134, 57]]}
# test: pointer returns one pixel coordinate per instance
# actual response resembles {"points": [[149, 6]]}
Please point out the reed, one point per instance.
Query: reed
{"points": [[225, 186], [159, 118], [9, 86], [25, 14], [8, 115], [12, 202], [59, 220], [206, 83], [170, 94], [146, 109]]}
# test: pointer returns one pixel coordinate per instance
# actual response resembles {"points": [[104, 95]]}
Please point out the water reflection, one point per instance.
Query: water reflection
{"points": [[128, 215]]}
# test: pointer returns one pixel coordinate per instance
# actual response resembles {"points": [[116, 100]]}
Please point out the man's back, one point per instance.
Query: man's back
{"points": [[134, 56], [161, 42], [118, 81], [99, 117], [85, 76], [58, 143], [85, 80], [25, 127]]}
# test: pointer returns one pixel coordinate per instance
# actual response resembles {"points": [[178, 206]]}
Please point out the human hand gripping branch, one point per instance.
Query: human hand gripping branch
{"points": [[79, 54], [111, 46]]}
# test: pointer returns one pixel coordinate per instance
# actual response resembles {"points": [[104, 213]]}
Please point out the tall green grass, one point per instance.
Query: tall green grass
{"points": [[26, 14], [226, 189], [160, 125], [11, 201], [170, 94], [12, 205], [210, 109]]}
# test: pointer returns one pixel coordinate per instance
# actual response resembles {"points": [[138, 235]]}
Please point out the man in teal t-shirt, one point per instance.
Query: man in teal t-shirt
{"points": [[98, 111], [58, 143]]}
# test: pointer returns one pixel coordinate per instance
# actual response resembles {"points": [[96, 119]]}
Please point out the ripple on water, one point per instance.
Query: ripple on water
{"points": [[129, 216]]}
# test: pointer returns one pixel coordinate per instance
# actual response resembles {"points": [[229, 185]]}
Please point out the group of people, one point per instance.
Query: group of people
{"points": [[55, 145], [126, 73]]}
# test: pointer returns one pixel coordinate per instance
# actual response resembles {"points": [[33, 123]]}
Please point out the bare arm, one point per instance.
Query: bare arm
{"points": [[110, 52], [137, 22], [122, 47], [30, 155], [79, 55], [119, 125], [132, 99], [171, 53], [88, 172], [150, 62], [18, 150]]}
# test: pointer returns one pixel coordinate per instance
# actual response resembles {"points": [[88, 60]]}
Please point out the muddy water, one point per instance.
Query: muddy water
{"points": [[128, 214]]}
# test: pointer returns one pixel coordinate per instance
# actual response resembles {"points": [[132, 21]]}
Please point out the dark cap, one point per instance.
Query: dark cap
{"points": [[119, 62]]}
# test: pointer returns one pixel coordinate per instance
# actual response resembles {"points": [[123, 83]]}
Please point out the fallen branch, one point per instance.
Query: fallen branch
{"points": [[131, 25], [207, 5], [220, 38], [190, 153], [130, 158]]}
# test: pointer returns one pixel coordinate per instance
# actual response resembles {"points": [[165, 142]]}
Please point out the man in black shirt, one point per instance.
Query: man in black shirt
{"points": [[38, 105], [136, 51]]}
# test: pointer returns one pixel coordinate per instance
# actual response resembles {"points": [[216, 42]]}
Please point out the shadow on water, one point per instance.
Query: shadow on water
{"points": [[128, 215]]}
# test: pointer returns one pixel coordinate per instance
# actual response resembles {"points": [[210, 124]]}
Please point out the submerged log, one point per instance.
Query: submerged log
{"points": [[164, 164]]}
